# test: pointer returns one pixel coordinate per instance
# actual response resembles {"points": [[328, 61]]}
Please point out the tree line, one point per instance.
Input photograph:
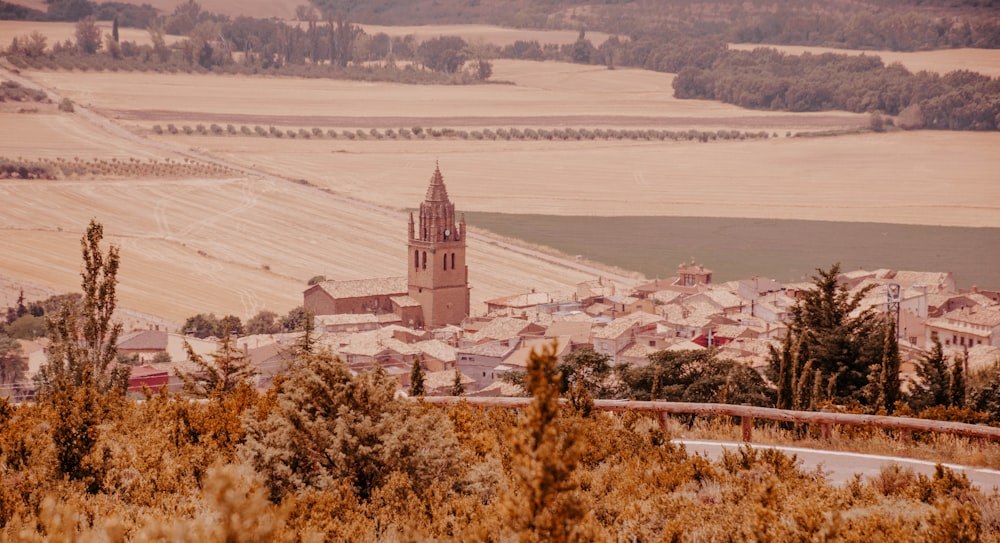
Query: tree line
{"points": [[768, 79], [321, 43], [765, 78]]}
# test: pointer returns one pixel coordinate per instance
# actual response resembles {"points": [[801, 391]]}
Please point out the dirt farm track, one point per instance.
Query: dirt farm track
{"points": [[289, 209]]}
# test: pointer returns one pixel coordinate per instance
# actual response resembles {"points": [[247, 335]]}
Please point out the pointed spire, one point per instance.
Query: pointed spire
{"points": [[436, 191]]}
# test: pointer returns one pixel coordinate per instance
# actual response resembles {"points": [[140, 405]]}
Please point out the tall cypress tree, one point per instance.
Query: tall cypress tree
{"points": [[889, 370], [932, 386], [417, 378], [956, 390]]}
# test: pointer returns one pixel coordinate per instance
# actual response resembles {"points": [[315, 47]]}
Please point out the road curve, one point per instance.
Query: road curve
{"points": [[841, 466]]}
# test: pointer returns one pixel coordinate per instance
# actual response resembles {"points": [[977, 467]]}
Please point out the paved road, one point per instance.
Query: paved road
{"points": [[840, 466]]}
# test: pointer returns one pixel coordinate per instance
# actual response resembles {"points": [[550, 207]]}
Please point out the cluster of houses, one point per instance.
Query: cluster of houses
{"points": [[425, 316], [740, 319]]}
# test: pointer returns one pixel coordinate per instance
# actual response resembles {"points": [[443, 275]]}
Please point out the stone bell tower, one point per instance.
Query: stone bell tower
{"points": [[438, 277]]}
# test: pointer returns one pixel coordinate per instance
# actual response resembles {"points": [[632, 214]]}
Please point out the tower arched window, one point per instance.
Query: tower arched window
{"points": [[453, 261], [416, 260], [445, 259], [425, 260]]}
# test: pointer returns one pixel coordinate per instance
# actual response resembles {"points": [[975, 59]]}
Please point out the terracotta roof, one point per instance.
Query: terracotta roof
{"points": [[144, 340], [668, 296], [576, 331], [685, 346], [501, 328], [983, 357], [522, 300], [443, 380], [437, 349], [621, 325], [347, 318], [359, 288], [494, 348], [983, 316], [657, 285], [723, 298], [499, 388], [404, 301], [934, 280], [519, 358]]}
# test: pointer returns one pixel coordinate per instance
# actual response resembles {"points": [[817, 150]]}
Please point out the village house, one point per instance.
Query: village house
{"points": [[626, 305], [518, 359], [481, 361], [966, 327], [517, 302], [503, 328], [613, 338], [440, 383], [595, 290], [721, 300], [144, 345]]}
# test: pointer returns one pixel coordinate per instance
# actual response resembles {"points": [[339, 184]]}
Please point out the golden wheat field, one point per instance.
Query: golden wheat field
{"points": [[250, 240]]}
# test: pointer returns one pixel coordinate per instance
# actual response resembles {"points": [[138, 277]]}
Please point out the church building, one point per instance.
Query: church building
{"points": [[434, 293]]}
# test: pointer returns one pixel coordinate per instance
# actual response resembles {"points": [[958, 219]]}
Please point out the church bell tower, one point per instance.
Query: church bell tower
{"points": [[438, 277]]}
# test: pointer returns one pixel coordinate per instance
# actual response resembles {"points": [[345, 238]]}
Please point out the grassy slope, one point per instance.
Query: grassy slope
{"points": [[786, 250]]}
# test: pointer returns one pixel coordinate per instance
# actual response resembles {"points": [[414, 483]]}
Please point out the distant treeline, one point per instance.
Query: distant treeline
{"points": [[131, 15], [768, 79], [321, 44]]}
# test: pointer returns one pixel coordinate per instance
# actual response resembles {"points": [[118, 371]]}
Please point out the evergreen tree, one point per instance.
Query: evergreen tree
{"points": [[956, 388], [842, 340], [780, 372], [932, 386], [889, 371], [417, 378], [228, 369], [457, 388]]}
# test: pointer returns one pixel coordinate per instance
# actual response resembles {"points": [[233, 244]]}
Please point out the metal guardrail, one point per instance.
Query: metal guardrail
{"points": [[747, 414]]}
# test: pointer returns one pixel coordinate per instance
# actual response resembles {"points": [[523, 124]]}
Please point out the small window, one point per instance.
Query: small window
{"points": [[416, 260], [425, 260], [453, 261], [445, 259]]}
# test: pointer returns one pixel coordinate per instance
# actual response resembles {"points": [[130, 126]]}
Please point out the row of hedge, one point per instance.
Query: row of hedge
{"points": [[60, 168], [416, 132]]}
